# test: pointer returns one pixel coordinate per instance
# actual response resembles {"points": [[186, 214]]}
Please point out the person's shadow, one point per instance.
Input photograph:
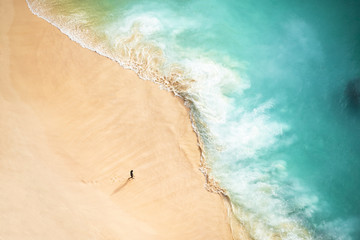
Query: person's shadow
{"points": [[122, 186]]}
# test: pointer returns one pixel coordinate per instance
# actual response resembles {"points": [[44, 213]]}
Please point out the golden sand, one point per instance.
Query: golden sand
{"points": [[73, 124]]}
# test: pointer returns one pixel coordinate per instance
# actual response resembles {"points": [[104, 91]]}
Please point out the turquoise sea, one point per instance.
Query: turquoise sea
{"points": [[274, 92]]}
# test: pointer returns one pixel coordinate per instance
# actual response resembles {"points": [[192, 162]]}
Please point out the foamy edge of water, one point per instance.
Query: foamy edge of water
{"points": [[211, 184]]}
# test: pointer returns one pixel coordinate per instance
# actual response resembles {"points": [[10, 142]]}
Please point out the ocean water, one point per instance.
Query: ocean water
{"points": [[274, 92]]}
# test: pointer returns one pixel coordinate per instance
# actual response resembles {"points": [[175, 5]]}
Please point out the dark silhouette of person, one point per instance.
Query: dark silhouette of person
{"points": [[131, 174]]}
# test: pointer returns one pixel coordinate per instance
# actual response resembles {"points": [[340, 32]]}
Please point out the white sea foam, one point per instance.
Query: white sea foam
{"points": [[339, 226]]}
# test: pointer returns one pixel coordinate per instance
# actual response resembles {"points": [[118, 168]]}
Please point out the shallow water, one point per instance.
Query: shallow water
{"points": [[272, 90]]}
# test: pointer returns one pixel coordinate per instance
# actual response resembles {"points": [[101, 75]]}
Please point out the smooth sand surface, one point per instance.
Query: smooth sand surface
{"points": [[73, 124]]}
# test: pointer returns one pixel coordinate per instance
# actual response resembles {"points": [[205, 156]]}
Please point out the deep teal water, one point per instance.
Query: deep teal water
{"points": [[280, 131]]}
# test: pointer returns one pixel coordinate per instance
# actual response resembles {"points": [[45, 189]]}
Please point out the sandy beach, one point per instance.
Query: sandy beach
{"points": [[73, 124]]}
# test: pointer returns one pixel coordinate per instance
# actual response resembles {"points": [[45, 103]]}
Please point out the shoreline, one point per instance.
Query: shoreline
{"points": [[211, 185], [158, 207]]}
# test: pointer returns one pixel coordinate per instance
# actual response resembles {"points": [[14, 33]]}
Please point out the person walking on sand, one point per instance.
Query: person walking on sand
{"points": [[132, 174]]}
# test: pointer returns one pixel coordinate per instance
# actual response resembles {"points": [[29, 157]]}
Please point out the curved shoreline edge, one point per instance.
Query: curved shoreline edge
{"points": [[87, 184], [211, 185]]}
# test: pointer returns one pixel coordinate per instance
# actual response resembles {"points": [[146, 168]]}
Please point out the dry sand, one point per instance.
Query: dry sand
{"points": [[73, 124]]}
